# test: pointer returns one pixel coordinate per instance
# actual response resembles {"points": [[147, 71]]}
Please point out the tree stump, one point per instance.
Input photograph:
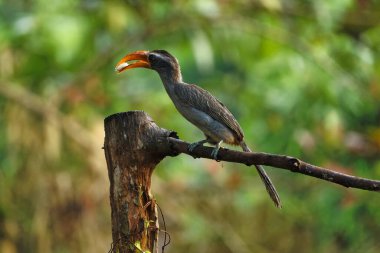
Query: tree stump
{"points": [[132, 151]]}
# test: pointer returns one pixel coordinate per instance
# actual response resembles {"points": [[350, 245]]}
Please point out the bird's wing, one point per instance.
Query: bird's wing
{"points": [[200, 99]]}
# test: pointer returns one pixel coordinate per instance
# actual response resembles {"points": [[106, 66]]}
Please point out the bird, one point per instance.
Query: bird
{"points": [[196, 105]]}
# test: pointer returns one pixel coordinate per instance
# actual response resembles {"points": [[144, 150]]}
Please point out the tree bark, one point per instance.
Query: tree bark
{"points": [[131, 153]]}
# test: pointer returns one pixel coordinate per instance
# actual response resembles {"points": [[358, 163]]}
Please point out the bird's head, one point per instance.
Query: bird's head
{"points": [[159, 60]]}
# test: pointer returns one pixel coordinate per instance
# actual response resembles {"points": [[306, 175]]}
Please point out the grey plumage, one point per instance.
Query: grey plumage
{"points": [[195, 97], [265, 178], [198, 106]]}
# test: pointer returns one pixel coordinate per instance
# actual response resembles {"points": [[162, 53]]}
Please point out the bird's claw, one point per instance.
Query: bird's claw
{"points": [[214, 154], [192, 146]]}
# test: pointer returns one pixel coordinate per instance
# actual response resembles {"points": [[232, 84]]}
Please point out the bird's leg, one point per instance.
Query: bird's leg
{"points": [[215, 151], [192, 146]]}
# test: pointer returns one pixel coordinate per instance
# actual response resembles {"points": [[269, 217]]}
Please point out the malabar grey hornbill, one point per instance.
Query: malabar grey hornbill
{"points": [[197, 105]]}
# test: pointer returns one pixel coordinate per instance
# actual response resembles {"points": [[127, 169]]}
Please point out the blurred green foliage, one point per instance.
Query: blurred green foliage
{"points": [[302, 78]]}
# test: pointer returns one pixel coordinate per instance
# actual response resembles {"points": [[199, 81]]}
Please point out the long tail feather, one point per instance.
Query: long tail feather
{"points": [[265, 178]]}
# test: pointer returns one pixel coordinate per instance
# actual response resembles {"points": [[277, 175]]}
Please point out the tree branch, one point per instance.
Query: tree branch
{"points": [[278, 161]]}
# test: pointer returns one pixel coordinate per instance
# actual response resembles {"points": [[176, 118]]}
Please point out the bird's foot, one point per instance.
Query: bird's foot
{"points": [[214, 153], [192, 146]]}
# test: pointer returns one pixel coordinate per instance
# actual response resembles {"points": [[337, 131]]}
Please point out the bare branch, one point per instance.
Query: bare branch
{"points": [[277, 161]]}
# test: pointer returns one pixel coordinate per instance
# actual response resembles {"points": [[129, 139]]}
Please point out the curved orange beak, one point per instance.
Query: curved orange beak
{"points": [[140, 58]]}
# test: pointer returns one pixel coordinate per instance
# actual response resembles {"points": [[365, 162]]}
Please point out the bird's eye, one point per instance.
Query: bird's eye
{"points": [[152, 57]]}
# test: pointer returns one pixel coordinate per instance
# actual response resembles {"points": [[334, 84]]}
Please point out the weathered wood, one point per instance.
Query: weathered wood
{"points": [[132, 153]]}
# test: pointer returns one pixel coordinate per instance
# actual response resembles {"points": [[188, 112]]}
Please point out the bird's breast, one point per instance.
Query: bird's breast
{"points": [[209, 126]]}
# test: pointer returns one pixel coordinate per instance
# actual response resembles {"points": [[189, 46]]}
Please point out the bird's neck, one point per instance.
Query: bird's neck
{"points": [[170, 78]]}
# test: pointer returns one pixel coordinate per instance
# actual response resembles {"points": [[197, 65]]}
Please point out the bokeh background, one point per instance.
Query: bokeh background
{"points": [[301, 77]]}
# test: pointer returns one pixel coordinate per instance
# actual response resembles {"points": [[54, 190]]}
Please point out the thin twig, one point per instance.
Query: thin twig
{"points": [[167, 238], [277, 161]]}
